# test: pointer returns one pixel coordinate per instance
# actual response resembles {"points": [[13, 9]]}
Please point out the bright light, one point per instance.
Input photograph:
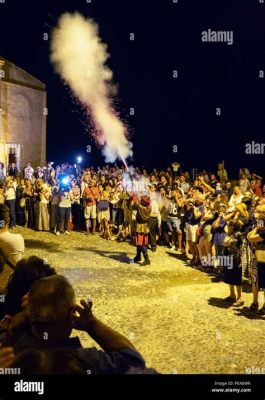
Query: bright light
{"points": [[65, 180], [79, 159]]}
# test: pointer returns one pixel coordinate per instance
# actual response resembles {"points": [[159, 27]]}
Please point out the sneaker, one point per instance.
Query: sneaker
{"points": [[179, 251], [57, 233], [146, 262], [193, 262], [134, 261], [262, 310], [172, 247], [67, 232]]}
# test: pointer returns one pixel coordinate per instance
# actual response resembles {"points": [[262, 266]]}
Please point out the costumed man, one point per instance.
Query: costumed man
{"points": [[143, 212]]}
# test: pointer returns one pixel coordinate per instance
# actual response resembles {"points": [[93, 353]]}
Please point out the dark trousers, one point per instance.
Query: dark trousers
{"points": [[64, 214], [30, 208], [76, 215], [12, 209], [54, 216], [153, 225], [140, 250]]}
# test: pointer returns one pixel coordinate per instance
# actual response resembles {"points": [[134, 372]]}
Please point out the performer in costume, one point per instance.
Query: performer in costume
{"points": [[143, 212]]}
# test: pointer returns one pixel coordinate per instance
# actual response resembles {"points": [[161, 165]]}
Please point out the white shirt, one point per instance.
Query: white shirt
{"points": [[10, 193], [12, 246], [28, 172], [233, 202]]}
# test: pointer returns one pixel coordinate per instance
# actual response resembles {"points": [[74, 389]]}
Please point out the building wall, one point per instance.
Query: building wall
{"points": [[24, 121]]}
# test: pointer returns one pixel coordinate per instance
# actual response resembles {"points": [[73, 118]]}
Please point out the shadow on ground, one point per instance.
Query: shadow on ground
{"points": [[218, 302], [245, 312], [39, 244], [121, 256]]}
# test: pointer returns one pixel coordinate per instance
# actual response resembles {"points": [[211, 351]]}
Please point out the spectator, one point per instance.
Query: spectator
{"points": [[26, 273], [55, 201], [2, 194], [235, 199], [233, 267], [11, 245], [175, 209], [13, 170], [222, 173], [53, 313], [91, 194], [155, 218], [44, 214], [185, 186], [228, 189], [64, 210], [10, 197], [257, 237], [28, 171], [244, 184], [28, 209], [49, 362], [2, 172], [104, 215], [76, 205]]}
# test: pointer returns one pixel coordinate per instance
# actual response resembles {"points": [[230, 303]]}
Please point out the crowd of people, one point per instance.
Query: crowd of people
{"points": [[214, 223]]}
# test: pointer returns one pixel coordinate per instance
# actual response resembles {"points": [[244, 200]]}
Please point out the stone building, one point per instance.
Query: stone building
{"points": [[22, 117]]}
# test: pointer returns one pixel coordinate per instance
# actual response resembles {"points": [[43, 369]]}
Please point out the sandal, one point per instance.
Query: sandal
{"points": [[239, 303], [254, 307]]}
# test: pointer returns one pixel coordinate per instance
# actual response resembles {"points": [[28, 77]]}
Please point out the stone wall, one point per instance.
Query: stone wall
{"points": [[24, 121]]}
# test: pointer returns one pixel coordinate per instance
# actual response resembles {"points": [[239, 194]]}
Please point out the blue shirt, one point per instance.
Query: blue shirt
{"points": [[98, 361]]}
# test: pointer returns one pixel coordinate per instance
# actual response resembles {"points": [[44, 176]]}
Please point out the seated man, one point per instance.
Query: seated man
{"points": [[53, 314], [11, 245]]}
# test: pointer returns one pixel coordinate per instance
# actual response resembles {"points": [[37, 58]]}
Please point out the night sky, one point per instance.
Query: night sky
{"points": [[168, 111]]}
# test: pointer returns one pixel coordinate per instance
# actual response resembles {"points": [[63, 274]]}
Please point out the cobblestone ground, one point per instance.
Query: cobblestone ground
{"points": [[173, 314]]}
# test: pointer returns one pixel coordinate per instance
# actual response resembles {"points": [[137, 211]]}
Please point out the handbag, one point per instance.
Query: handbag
{"points": [[103, 205], [22, 202], [260, 253]]}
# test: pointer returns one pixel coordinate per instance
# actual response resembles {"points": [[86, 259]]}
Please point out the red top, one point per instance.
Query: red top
{"points": [[91, 193], [258, 191]]}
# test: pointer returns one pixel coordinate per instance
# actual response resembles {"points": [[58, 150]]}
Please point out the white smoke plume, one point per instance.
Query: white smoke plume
{"points": [[79, 56]]}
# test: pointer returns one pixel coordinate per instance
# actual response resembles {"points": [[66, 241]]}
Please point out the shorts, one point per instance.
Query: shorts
{"points": [[173, 224], [90, 212], [191, 232]]}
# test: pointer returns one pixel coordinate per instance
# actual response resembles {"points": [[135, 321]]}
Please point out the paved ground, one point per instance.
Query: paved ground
{"points": [[173, 314]]}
